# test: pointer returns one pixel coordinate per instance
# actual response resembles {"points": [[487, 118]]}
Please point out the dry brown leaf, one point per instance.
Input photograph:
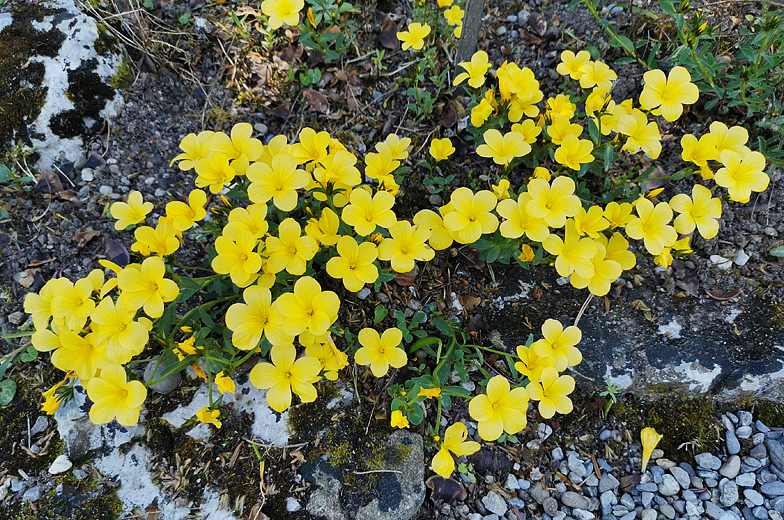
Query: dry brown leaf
{"points": [[718, 294], [318, 102], [282, 111], [26, 278], [449, 119], [49, 182], [406, 279], [538, 23], [471, 302], [85, 236], [388, 36], [446, 489]]}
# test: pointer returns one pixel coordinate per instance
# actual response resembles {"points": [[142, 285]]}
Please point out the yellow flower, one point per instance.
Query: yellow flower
{"points": [[474, 70], [251, 219], [618, 214], [441, 149], [237, 258], [40, 305], [500, 410], [481, 112], [130, 213], [642, 134], [561, 127], [208, 416], [519, 221], [503, 149], [113, 396], [553, 202], [455, 442], [378, 165], [700, 211], [257, 316], [501, 190], [573, 152], [429, 393], [366, 212], [195, 148], [699, 152], [224, 383], [186, 348], [278, 181], [308, 307], [552, 392], [617, 250], [380, 351], [73, 303], [406, 245], [239, 144], [117, 332], [571, 64], [598, 100], [652, 226], [354, 263], [199, 372], [531, 364], [528, 130], [332, 360], [590, 222], [559, 344], [398, 420], [526, 254], [184, 215], [80, 354], [440, 236], [742, 175], [667, 95], [290, 250], [214, 171], [146, 287], [51, 401], [454, 16], [664, 258], [733, 139], [597, 74], [162, 240], [284, 375], [396, 146], [573, 253], [541, 173], [649, 439], [471, 216], [325, 230], [605, 272], [444, 3], [561, 105], [414, 36], [312, 146]]}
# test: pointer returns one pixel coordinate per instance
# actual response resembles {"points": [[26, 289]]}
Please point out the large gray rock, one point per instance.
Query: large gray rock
{"points": [[154, 371], [57, 69]]}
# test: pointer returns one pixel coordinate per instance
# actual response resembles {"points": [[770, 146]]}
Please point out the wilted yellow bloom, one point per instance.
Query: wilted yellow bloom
{"points": [[649, 439]]}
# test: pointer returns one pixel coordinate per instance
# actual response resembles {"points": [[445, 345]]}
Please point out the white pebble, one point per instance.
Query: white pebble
{"points": [[60, 465]]}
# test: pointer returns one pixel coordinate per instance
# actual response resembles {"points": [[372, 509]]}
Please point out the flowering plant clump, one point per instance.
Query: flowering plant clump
{"points": [[292, 225]]}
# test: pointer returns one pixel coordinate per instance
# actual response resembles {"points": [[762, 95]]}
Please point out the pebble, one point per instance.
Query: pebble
{"points": [[292, 505], [32, 494], [743, 432], [667, 510], [494, 503], [557, 454], [759, 451], [761, 426], [741, 257], [708, 461], [722, 263], [729, 492], [731, 467], [511, 483], [88, 175], [733, 444], [627, 501], [773, 489], [648, 514], [40, 426], [576, 466], [754, 497], [105, 190], [760, 512], [60, 465], [608, 499], [713, 511], [775, 452], [550, 506], [79, 474], [608, 482], [363, 293], [746, 479], [16, 318], [575, 500], [669, 486], [501, 31], [582, 514], [681, 476], [758, 438]]}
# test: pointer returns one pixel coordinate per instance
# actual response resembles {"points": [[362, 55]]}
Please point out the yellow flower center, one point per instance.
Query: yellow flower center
{"points": [[123, 392], [495, 406], [293, 250]]}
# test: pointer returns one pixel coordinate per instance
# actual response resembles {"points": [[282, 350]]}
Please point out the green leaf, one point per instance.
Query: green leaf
{"points": [[624, 61], [443, 326], [167, 319], [7, 392], [422, 343], [667, 7], [4, 367], [608, 157], [777, 251], [184, 18], [206, 318], [416, 415], [593, 130], [28, 355], [188, 288], [379, 314], [5, 173]]}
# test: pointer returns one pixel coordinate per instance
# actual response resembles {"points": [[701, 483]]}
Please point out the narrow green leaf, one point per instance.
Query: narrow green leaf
{"points": [[7, 392]]}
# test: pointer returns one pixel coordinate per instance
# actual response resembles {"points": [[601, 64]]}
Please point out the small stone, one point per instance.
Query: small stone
{"points": [[694, 508], [582, 514], [775, 452], [778, 504], [758, 438], [60, 465], [40, 426], [722, 263], [105, 190], [746, 479], [292, 505], [733, 445], [501, 31], [773, 489], [16, 318], [522, 16], [435, 199], [494, 503], [681, 476], [760, 512], [744, 432], [761, 426], [261, 128], [557, 454], [79, 474], [576, 466], [592, 481], [550, 506], [647, 498], [729, 492], [666, 464], [363, 293], [88, 175], [759, 451], [667, 510], [627, 501], [711, 482], [649, 486], [544, 431], [754, 497], [727, 422], [669, 486], [741, 258], [153, 372], [731, 467], [708, 461], [648, 514], [688, 495], [511, 483], [713, 511], [774, 515], [608, 499], [31, 495], [605, 434], [771, 231], [608, 482], [657, 473], [575, 500]]}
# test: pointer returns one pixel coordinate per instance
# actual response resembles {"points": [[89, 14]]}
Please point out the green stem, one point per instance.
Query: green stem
{"points": [[15, 335], [507, 354], [207, 305], [438, 418]]}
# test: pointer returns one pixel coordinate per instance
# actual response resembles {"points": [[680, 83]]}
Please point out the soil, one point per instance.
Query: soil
{"points": [[218, 81]]}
